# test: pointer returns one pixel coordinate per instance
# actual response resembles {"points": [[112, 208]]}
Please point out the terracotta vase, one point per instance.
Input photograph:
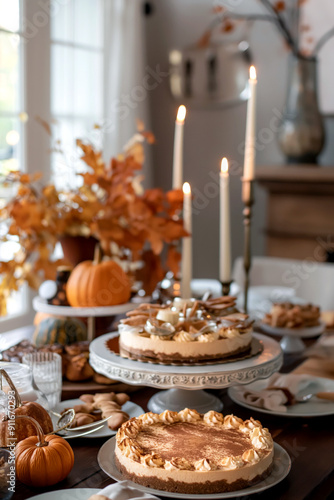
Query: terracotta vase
{"points": [[76, 249]]}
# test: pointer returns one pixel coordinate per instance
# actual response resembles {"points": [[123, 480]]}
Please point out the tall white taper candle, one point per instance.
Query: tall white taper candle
{"points": [[249, 160], [187, 261], [225, 234], [178, 148]]}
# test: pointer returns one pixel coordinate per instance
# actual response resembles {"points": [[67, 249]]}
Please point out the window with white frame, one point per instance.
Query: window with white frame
{"points": [[76, 81], [11, 91], [51, 66], [12, 119]]}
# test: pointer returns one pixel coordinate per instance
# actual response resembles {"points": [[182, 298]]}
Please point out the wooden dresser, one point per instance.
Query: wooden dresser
{"points": [[300, 211]]}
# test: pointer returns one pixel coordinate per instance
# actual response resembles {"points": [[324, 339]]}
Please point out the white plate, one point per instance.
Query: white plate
{"points": [[41, 305], [312, 408], [282, 466], [303, 333], [70, 494], [131, 408]]}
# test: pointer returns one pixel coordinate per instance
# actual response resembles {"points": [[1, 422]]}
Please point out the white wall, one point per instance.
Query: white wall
{"points": [[211, 134]]}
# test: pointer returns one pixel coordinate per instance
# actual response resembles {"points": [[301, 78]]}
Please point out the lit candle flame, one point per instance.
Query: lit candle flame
{"points": [[181, 114], [252, 73], [224, 165], [186, 188]]}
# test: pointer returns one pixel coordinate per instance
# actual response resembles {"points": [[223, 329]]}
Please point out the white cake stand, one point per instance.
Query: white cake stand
{"points": [[40, 305], [185, 384]]}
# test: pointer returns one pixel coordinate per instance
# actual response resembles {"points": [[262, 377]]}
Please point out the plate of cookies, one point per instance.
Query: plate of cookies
{"points": [[287, 318], [106, 411]]}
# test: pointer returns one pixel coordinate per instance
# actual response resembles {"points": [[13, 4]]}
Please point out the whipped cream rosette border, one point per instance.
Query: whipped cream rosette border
{"points": [[260, 439]]}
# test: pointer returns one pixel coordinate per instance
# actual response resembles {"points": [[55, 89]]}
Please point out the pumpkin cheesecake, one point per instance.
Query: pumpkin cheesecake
{"points": [[186, 331], [188, 452]]}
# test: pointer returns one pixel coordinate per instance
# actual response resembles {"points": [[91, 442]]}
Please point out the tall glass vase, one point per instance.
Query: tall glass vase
{"points": [[301, 135]]}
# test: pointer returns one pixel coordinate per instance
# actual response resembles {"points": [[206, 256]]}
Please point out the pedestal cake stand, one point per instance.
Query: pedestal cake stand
{"points": [[90, 313], [291, 341], [185, 384]]}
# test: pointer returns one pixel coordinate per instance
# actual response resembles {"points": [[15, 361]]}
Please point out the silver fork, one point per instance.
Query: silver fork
{"points": [[75, 429], [72, 436]]}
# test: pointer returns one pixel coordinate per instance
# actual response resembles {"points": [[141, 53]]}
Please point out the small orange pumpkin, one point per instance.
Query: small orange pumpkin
{"points": [[42, 460], [21, 430], [95, 283]]}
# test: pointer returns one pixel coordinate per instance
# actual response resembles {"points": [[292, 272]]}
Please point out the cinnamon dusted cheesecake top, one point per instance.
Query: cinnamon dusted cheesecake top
{"points": [[188, 320], [209, 442]]}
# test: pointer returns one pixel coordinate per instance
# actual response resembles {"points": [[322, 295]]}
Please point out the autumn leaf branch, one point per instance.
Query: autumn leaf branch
{"points": [[275, 15]]}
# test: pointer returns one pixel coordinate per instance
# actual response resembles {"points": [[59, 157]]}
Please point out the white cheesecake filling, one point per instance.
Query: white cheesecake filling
{"points": [[131, 340], [247, 473]]}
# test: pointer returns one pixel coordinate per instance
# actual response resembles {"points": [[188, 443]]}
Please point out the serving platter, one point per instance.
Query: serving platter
{"points": [[40, 305], [281, 468], [70, 494]]}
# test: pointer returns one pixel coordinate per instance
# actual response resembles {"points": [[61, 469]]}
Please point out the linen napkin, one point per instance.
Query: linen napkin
{"points": [[122, 491], [279, 391]]}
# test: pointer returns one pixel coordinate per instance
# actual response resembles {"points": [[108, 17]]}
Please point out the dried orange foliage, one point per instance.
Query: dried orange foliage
{"points": [[130, 223], [227, 26], [279, 6], [205, 40]]}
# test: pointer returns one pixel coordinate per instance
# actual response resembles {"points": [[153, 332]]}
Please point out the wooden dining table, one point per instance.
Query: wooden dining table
{"points": [[308, 441]]}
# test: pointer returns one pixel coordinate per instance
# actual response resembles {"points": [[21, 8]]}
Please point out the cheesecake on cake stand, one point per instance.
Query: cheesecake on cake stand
{"points": [[166, 363]]}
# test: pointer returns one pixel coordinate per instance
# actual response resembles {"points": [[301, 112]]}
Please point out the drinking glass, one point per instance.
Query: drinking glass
{"points": [[47, 372]]}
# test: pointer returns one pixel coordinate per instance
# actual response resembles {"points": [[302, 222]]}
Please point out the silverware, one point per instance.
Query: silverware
{"points": [[88, 426], [329, 396], [72, 436], [75, 429], [64, 420]]}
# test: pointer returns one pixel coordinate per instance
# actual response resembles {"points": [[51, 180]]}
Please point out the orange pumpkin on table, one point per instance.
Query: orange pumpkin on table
{"points": [[22, 429], [42, 460], [95, 283]]}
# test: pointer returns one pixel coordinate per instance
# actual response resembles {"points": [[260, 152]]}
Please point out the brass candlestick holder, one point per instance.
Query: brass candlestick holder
{"points": [[226, 285], [248, 200]]}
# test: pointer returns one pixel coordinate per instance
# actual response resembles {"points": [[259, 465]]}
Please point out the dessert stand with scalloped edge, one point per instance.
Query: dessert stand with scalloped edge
{"points": [[185, 384], [40, 305]]}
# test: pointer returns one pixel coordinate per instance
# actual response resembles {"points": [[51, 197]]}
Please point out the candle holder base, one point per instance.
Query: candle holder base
{"points": [[226, 286], [248, 200]]}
